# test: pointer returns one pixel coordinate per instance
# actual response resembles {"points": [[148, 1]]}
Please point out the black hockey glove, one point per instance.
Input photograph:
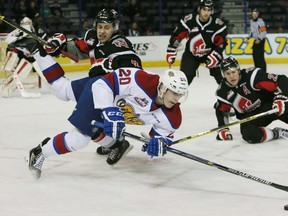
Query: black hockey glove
{"points": [[224, 134], [102, 66], [55, 44], [213, 59], [171, 54]]}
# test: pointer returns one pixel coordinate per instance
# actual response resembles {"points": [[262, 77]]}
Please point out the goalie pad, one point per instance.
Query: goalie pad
{"points": [[22, 71], [11, 61]]}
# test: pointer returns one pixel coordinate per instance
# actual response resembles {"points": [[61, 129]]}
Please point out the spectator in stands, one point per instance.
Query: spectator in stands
{"points": [[86, 25], [33, 9], [134, 29], [132, 10], [280, 29], [56, 8], [20, 10], [258, 33]]}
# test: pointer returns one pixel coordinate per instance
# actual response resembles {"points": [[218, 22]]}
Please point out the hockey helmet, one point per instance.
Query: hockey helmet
{"points": [[175, 81], [229, 63], [107, 16], [206, 3]]}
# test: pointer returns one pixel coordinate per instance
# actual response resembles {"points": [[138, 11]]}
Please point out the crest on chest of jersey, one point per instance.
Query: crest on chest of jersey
{"points": [[198, 46]]}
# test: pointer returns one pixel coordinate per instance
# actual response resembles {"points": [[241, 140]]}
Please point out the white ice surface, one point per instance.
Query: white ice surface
{"points": [[82, 184]]}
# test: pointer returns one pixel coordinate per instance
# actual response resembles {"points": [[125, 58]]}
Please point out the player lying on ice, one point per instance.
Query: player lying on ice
{"points": [[251, 91], [122, 96]]}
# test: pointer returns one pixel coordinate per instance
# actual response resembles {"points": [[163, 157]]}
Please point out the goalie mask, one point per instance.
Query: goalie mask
{"points": [[175, 81], [229, 63], [107, 16]]}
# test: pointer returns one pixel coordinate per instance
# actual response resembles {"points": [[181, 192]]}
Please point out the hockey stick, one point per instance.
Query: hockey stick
{"points": [[20, 87], [213, 164], [251, 118], [39, 39]]}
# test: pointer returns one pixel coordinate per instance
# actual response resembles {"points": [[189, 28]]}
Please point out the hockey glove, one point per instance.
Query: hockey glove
{"points": [[224, 134], [101, 66], [171, 54], [55, 44], [155, 147], [113, 124], [280, 102], [213, 59]]}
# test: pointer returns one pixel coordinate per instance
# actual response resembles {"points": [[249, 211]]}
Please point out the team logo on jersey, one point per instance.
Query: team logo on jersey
{"points": [[230, 94], [198, 46], [90, 41], [120, 42], [195, 29], [245, 90], [242, 104], [219, 21], [121, 103], [130, 116], [188, 17], [141, 101]]}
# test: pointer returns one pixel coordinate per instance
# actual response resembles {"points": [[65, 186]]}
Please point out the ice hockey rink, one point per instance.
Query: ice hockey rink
{"points": [[81, 183]]}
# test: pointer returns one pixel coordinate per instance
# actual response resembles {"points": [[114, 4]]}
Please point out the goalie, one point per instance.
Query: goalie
{"points": [[17, 64]]}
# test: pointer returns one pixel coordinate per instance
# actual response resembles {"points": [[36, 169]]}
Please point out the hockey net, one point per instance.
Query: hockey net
{"points": [[32, 82]]}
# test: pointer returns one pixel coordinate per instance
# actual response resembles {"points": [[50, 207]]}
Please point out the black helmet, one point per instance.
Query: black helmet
{"points": [[206, 3], [107, 16], [228, 64]]}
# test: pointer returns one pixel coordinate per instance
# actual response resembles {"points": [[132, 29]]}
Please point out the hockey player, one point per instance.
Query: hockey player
{"points": [[122, 96], [105, 45], [206, 41], [107, 48], [251, 91], [16, 63]]}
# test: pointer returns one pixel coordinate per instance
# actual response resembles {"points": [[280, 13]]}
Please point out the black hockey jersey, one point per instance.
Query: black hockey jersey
{"points": [[254, 90], [118, 49], [203, 38]]}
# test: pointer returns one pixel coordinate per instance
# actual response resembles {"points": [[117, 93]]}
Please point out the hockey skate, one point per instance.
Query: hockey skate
{"points": [[35, 159], [103, 151], [280, 133], [118, 150]]}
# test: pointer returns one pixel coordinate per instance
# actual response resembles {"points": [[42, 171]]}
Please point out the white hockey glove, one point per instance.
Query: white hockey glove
{"points": [[280, 102], [55, 44], [102, 66], [171, 54], [213, 59], [224, 134]]}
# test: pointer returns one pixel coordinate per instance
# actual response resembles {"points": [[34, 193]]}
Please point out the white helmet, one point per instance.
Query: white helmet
{"points": [[173, 80]]}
